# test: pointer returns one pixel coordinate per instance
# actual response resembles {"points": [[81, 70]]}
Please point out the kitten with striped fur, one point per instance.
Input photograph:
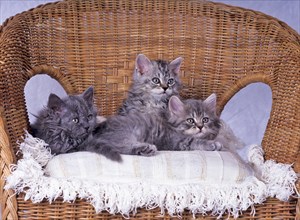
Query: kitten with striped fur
{"points": [[154, 82]]}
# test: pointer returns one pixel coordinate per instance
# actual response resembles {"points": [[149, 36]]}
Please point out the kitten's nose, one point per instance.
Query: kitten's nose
{"points": [[199, 126], [165, 87]]}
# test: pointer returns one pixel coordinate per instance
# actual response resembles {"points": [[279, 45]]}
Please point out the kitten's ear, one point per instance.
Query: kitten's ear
{"points": [[88, 95], [176, 106], [211, 102], [175, 65], [142, 64], [55, 103]]}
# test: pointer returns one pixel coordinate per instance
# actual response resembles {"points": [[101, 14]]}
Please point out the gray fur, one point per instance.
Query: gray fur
{"points": [[207, 132], [128, 134], [144, 134], [140, 122], [66, 124], [145, 124], [147, 96], [194, 124]]}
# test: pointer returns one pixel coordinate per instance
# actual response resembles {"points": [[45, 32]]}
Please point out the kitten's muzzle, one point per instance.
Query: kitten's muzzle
{"points": [[200, 128], [164, 87]]}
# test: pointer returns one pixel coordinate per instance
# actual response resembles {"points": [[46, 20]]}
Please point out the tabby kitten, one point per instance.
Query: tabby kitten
{"points": [[199, 121], [154, 82], [193, 124], [65, 124]]}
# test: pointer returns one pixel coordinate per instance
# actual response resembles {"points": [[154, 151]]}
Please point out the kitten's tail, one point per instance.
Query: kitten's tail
{"points": [[100, 148], [109, 153]]}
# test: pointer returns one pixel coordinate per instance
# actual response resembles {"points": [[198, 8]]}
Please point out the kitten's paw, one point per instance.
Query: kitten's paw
{"points": [[147, 150], [216, 146]]}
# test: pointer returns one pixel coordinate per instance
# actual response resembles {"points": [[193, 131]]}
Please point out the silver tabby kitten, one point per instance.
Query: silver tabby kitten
{"points": [[194, 123], [199, 121], [66, 124], [154, 82]]}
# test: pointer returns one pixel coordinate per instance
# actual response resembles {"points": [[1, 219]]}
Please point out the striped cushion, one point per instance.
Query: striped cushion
{"points": [[167, 167]]}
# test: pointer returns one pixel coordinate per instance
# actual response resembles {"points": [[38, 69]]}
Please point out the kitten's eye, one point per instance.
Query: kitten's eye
{"points": [[171, 82], [190, 121], [75, 120], [205, 119], [156, 80], [90, 117]]}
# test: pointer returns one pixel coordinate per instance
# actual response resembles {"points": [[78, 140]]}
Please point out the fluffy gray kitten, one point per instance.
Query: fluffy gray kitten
{"points": [[199, 121], [192, 125], [154, 82], [66, 124]]}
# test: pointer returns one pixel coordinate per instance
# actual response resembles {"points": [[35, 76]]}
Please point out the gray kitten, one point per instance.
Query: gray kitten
{"points": [[66, 124], [192, 125], [154, 82], [199, 121]]}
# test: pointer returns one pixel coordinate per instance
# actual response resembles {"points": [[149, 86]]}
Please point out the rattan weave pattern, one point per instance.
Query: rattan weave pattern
{"points": [[95, 42]]}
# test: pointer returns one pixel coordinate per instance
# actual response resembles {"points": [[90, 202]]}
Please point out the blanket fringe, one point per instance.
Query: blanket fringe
{"points": [[278, 180]]}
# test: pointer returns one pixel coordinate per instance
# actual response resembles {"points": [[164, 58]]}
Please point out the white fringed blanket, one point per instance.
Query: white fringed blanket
{"points": [[174, 181]]}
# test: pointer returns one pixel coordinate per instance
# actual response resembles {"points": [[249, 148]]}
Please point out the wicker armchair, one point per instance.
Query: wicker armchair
{"points": [[95, 42]]}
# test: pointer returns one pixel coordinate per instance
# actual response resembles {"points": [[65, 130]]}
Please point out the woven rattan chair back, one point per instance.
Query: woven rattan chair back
{"points": [[94, 42]]}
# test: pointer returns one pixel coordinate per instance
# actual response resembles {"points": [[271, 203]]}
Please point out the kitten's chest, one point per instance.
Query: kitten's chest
{"points": [[143, 104], [154, 107]]}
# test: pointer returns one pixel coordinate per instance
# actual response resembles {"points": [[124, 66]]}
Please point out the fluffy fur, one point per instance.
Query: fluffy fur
{"points": [[66, 124], [154, 82], [203, 128], [193, 123], [144, 134]]}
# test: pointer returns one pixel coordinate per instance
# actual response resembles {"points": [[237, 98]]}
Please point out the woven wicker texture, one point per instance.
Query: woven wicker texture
{"points": [[94, 42]]}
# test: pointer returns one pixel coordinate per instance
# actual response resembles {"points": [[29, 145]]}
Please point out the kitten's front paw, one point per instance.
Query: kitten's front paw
{"points": [[216, 146], [147, 150]]}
